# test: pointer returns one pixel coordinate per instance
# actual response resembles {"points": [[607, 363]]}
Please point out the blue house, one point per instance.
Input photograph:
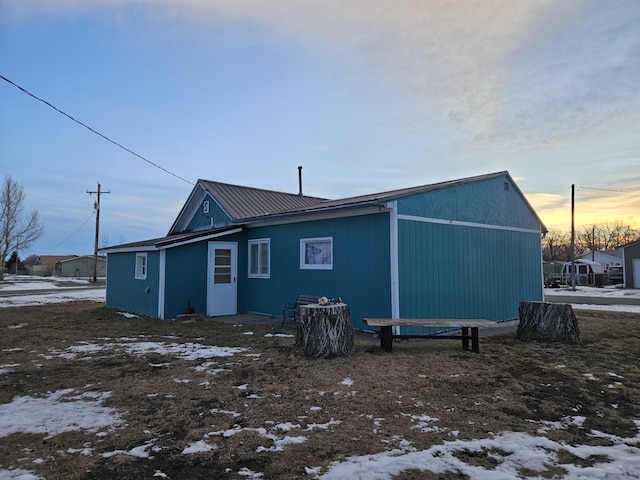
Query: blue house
{"points": [[467, 248]]}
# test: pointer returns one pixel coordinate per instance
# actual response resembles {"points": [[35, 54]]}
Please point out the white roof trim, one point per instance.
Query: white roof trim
{"points": [[200, 239]]}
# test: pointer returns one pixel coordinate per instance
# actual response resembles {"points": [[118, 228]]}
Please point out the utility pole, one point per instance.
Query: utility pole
{"points": [[96, 206], [573, 239]]}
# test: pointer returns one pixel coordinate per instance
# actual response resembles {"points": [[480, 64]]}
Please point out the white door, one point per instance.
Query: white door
{"points": [[636, 273], [222, 292]]}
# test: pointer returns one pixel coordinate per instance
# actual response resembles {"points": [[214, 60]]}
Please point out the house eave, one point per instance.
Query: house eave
{"points": [[321, 213], [171, 241]]}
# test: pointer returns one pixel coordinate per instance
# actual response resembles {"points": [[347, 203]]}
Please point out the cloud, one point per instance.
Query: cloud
{"points": [[525, 72]]}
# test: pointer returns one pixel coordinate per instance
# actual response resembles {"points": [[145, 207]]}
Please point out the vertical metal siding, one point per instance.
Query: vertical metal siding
{"points": [[485, 202], [186, 277], [464, 269], [125, 291], [360, 275], [451, 271]]}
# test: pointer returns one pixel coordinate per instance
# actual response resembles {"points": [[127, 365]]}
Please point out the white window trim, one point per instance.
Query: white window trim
{"points": [[259, 241], [315, 266], [141, 268]]}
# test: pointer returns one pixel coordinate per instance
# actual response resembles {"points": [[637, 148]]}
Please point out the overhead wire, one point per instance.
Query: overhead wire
{"points": [[95, 131], [74, 232], [607, 190]]}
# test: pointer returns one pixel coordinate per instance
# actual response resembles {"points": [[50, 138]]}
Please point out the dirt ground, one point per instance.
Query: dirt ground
{"points": [[268, 409]]}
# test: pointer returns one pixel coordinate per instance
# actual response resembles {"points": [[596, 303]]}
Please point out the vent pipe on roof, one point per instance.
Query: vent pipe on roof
{"points": [[300, 180]]}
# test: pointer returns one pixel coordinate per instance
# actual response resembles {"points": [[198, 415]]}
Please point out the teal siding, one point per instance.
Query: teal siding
{"points": [[186, 276], [360, 275], [125, 291], [215, 217], [449, 271], [486, 202], [186, 279]]}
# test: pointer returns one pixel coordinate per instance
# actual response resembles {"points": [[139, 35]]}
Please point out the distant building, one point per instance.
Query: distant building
{"points": [[45, 265], [68, 266], [631, 262], [81, 267], [608, 259]]}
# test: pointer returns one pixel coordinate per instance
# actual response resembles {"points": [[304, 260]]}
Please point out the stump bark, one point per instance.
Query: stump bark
{"points": [[323, 331], [547, 322]]}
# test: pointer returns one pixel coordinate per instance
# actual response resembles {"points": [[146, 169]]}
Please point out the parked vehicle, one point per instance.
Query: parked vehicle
{"points": [[586, 272]]}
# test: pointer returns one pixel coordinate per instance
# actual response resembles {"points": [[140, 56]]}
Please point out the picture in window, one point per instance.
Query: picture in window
{"points": [[316, 253]]}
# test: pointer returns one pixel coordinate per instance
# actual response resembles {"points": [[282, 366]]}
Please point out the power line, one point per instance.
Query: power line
{"points": [[94, 131], [75, 231], [607, 190]]}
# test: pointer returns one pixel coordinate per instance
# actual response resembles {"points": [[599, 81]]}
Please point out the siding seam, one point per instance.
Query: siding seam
{"points": [[414, 218]]}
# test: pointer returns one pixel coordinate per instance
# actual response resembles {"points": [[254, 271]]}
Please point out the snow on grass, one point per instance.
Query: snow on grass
{"points": [[89, 294], [510, 451], [18, 474], [198, 447], [141, 451], [347, 381], [16, 283], [186, 351], [58, 412]]}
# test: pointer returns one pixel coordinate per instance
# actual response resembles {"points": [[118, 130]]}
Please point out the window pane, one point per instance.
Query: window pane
{"points": [[264, 258], [318, 253], [223, 256], [141, 266], [253, 259], [222, 268], [259, 258]]}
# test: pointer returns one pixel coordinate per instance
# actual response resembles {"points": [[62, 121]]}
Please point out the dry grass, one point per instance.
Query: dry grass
{"points": [[168, 403]]}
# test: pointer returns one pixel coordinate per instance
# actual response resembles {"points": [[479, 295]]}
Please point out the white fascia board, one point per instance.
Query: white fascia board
{"points": [[394, 259], [189, 208], [146, 248], [201, 239]]}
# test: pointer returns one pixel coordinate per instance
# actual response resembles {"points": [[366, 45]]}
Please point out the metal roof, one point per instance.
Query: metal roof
{"points": [[247, 202], [244, 203]]}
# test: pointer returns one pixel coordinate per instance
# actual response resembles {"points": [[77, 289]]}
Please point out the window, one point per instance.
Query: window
{"points": [[259, 258], [141, 266], [316, 253]]}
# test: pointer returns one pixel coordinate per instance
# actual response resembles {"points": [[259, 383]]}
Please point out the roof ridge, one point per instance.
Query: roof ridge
{"points": [[269, 190]]}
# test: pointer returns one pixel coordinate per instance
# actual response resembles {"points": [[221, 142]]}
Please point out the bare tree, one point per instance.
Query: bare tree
{"points": [[554, 245], [605, 236], [18, 229]]}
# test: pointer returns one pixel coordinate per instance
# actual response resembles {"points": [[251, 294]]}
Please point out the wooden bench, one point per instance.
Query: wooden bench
{"points": [[468, 328], [292, 309]]}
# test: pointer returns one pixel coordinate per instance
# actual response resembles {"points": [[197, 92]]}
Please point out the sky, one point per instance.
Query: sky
{"points": [[366, 95]]}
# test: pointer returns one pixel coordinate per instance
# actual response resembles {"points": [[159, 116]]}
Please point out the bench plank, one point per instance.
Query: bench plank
{"points": [[426, 322]]}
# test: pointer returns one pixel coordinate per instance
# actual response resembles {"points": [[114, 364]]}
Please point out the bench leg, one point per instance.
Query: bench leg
{"points": [[475, 340], [386, 338], [465, 338]]}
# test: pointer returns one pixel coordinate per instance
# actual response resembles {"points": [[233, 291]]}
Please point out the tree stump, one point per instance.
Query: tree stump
{"points": [[547, 322], [324, 330]]}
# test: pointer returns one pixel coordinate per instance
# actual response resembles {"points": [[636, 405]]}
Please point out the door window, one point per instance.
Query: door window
{"points": [[222, 266]]}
